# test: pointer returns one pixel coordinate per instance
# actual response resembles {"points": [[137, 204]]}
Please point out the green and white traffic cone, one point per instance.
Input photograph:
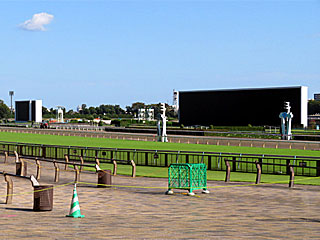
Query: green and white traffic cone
{"points": [[75, 206]]}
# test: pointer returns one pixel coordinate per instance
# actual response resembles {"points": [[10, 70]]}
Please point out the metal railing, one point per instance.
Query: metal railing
{"points": [[271, 164]]}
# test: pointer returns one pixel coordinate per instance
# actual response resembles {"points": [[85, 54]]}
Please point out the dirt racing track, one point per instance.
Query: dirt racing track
{"points": [[137, 208]]}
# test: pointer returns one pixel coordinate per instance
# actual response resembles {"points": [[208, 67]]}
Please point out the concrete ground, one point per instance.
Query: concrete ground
{"points": [[137, 208]]}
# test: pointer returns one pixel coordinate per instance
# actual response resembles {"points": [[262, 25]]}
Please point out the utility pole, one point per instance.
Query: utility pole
{"points": [[11, 93]]}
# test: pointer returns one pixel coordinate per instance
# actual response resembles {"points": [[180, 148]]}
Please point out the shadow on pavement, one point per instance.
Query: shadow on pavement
{"points": [[21, 209]]}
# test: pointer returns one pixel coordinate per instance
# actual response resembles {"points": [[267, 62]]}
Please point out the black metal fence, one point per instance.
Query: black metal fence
{"points": [[271, 164]]}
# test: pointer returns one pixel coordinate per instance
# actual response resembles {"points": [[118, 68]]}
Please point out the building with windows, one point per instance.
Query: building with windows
{"points": [[145, 114]]}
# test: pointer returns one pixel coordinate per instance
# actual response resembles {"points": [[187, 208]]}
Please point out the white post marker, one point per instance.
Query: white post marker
{"points": [[286, 118]]}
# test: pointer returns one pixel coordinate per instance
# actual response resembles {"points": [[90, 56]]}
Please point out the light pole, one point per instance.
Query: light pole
{"points": [[11, 93]]}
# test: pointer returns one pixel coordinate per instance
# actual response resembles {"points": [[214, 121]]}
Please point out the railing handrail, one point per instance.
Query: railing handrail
{"points": [[167, 151]]}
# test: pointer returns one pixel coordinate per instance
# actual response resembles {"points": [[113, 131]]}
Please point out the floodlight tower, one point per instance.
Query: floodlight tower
{"points": [[175, 101], [11, 93]]}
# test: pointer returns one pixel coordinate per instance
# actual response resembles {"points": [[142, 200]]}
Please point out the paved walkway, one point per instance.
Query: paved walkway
{"points": [[230, 211]]}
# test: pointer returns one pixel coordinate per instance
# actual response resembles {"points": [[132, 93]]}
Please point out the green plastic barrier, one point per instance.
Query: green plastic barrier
{"points": [[189, 176]]}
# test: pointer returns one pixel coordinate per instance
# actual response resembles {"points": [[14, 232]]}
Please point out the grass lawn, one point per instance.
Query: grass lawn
{"points": [[115, 143]]}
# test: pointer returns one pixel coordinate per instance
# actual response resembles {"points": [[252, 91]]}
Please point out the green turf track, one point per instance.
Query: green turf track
{"points": [[114, 143]]}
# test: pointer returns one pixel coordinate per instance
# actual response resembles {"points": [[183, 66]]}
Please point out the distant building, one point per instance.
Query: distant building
{"points": [[60, 114], [97, 120], [30, 110], [317, 96], [146, 114], [79, 108]]}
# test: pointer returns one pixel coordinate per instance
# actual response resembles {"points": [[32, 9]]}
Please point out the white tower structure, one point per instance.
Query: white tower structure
{"points": [[175, 103], [162, 133], [11, 93], [286, 118], [60, 114]]}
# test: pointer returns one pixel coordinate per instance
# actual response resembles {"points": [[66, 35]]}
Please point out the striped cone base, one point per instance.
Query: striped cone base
{"points": [[75, 206]]}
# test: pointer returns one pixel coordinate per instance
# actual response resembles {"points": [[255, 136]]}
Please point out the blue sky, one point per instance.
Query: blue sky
{"points": [[120, 52]]}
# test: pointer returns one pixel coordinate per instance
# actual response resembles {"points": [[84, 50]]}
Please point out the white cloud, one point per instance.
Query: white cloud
{"points": [[37, 22]]}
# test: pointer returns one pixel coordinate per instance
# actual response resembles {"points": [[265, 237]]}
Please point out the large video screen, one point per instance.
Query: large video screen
{"points": [[22, 111], [239, 107]]}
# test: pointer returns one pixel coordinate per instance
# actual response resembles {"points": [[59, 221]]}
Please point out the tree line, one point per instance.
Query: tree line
{"points": [[313, 107], [115, 111], [104, 111], [108, 111]]}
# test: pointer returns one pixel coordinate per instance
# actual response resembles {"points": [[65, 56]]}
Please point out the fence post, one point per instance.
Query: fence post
{"points": [[67, 161], [288, 167], [38, 169], [209, 162], [234, 164], [20, 151], [146, 159], [21, 167], [133, 169], [5, 157], [258, 172], [260, 163], [17, 156], [114, 167], [291, 181], [97, 161], [187, 158], [68, 151], [166, 159], [77, 173], [82, 162], [318, 168], [228, 169], [8, 179], [43, 152], [57, 171]]}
